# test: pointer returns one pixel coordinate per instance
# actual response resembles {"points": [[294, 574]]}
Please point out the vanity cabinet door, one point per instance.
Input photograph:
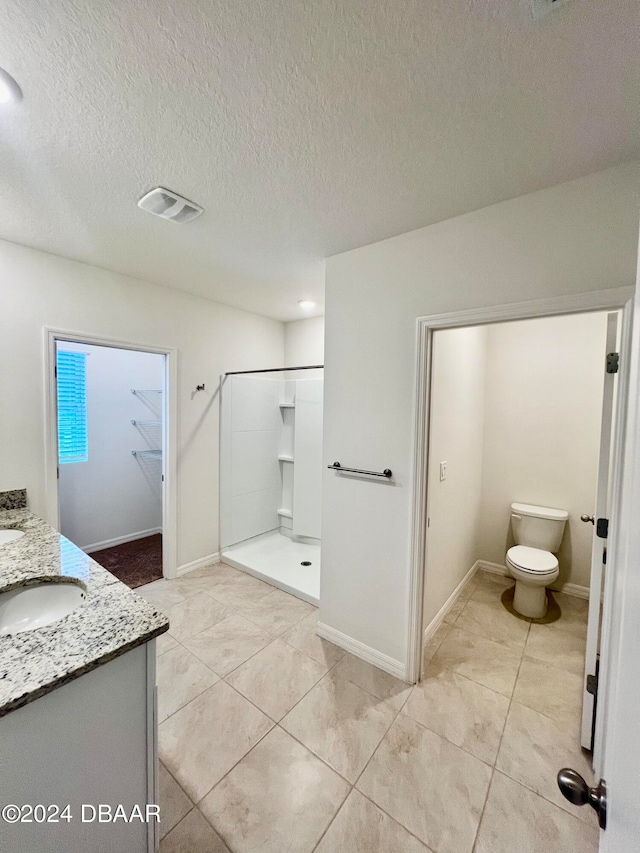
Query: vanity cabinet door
{"points": [[85, 743]]}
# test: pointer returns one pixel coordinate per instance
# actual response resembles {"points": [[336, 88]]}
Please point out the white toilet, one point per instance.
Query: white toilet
{"points": [[537, 531]]}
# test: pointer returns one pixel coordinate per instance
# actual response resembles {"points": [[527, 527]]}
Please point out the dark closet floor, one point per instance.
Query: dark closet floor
{"points": [[134, 563]]}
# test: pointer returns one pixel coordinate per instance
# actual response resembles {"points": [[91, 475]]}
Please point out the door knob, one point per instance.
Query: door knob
{"points": [[590, 518], [575, 789]]}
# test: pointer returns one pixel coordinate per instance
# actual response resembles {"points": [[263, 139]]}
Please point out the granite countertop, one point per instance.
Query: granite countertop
{"points": [[111, 620]]}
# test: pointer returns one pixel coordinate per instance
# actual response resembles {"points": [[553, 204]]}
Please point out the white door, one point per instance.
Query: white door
{"points": [[616, 756], [617, 741], [599, 548]]}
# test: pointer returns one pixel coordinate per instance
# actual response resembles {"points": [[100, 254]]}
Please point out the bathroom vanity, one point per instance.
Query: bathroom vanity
{"points": [[77, 704]]}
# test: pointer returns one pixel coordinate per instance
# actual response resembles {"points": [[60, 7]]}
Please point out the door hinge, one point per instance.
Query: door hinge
{"points": [[602, 528], [58, 473], [613, 359], [592, 688]]}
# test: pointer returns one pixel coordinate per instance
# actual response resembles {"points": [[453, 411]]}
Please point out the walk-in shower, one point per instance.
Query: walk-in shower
{"points": [[271, 476]]}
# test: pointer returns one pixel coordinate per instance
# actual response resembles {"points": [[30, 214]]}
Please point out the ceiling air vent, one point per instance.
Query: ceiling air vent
{"points": [[169, 205], [541, 8]]}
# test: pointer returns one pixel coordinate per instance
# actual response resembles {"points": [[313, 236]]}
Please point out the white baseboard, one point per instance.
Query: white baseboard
{"points": [[495, 568], [435, 623], [360, 650], [567, 588], [120, 540], [185, 568], [573, 589]]}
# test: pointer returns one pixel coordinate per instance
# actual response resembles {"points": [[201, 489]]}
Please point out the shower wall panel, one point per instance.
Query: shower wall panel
{"points": [[249, 473], [270, 457], [307, 474]]}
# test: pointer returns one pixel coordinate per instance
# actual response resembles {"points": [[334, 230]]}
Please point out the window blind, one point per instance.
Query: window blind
{"points": [[72, 406]]}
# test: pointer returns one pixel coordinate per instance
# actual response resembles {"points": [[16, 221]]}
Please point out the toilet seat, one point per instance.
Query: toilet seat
{"points": [[533, 561]]}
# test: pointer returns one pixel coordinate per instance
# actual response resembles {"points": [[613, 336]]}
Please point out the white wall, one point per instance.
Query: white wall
{"points": [[41, 290], [114, 495], [304, 342], [568, 239], [542, 431], [456, 437]]}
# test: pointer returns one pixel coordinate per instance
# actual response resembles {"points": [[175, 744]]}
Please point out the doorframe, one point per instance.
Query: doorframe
{"points": [[169, 432], [614, 299]]}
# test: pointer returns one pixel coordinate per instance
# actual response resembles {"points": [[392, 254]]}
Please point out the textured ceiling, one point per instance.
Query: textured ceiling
{"points": [[303, 127]]}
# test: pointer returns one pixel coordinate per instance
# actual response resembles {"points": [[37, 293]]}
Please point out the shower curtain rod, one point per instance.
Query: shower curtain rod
{"points": [[275, 369]]}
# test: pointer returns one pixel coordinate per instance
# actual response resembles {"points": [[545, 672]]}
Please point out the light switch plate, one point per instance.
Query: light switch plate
{"points": [[443, 471]]}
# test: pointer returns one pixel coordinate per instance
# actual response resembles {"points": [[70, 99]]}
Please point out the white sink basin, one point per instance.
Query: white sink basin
{"points": [[29, 607], [7, 536]]}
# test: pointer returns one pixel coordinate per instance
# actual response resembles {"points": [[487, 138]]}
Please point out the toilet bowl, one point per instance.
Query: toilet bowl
{"points": [[537, 531], [533, 570]]}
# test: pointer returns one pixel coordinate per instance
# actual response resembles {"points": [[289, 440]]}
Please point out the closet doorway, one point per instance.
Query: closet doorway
{"points": [[108, 435]]}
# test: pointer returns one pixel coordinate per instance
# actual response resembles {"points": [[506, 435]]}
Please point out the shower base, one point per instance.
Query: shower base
{"points": [[277, 559]]}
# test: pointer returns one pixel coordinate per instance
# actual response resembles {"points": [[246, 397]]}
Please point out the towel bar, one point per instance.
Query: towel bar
{"points": [[338, 467]]}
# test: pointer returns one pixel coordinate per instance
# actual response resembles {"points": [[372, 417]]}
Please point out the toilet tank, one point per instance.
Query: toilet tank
{"points": [[538, 526]]}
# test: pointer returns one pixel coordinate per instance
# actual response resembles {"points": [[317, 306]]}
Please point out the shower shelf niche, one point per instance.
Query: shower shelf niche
{"points": [[286, 456]]}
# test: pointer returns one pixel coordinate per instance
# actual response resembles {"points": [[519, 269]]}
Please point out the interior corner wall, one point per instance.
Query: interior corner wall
{"points": [[542, 431], [456, 437], [114, 496], [304, 342], [568, 239], [40, 290]]}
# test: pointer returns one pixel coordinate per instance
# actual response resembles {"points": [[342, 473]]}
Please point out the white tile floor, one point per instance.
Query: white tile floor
{"points": [[275, 740], [276, 559]]}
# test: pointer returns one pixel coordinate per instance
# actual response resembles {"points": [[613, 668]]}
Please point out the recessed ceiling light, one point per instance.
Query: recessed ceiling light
{"points": [[9, 89], [306, 304]]}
